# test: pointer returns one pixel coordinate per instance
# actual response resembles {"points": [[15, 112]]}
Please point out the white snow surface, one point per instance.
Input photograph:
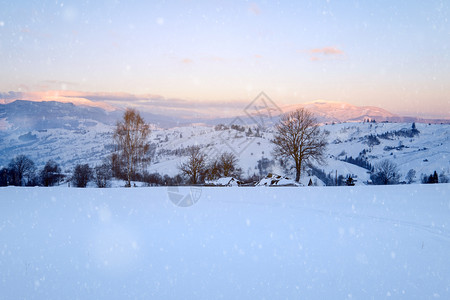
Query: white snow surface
{"points": [[362, 242]]}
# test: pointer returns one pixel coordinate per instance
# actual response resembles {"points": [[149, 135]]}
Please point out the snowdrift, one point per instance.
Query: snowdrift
{"points": [[364, 242]]}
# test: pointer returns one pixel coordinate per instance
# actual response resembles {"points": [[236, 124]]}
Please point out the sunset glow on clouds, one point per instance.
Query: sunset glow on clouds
{"points": [[152, 103], [318, 54], [389, 54], [77, 98]]}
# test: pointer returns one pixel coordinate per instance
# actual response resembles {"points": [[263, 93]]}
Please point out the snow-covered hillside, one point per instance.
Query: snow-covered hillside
{"points": [[235, 243], [85, 144], [72, 135], [425, 152]]}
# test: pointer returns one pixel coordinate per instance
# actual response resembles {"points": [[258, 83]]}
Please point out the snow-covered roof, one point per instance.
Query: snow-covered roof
{"points": [[225, 181], [276, 180]]}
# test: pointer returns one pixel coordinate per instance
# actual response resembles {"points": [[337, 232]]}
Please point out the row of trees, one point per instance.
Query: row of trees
{"points": [[21, 171], [435, 178], [132, 155], [297, 138], [386, 172], [197, 168], [298, 142]]}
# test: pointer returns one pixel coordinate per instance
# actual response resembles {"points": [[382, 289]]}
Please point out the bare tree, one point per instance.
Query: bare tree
{"points": [[51, 173], [298, 137], [213, 169], [228, 164], [133, 148], [195, 166], [386, 172], [22, 170], [102, 175], [82, 174], [224, 165], [411, 175], [116, 163]]}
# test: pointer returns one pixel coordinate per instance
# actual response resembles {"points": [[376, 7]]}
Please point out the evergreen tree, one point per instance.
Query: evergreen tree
{"points": [[435, 177], [4, 176], [350, 181]]}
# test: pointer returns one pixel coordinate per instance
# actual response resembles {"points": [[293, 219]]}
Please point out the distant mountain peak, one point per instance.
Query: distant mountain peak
{"points": [[30, 115], [333, 111]]}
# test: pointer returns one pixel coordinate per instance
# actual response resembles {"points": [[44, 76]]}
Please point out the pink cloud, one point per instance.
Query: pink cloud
{"points": [[323, 54], [254, 8], [77, 98], [187, 61], [119, 100], [327, 51], [217, 59]]}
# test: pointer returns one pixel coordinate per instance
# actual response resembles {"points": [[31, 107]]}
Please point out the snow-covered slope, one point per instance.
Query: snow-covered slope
{"points": [[90, 140], [234, 243], [29, 115], [426, 152], [85, 144]]}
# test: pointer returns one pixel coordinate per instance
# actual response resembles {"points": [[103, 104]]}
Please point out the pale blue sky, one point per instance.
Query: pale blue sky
{"points": [[393, 54]]}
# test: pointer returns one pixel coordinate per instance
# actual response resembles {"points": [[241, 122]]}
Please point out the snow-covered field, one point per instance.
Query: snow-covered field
{"points": [[364, 242]]}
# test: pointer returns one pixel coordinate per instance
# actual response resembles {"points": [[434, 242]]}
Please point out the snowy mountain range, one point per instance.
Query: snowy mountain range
{"points": [[72, 134], [329, 111]]}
